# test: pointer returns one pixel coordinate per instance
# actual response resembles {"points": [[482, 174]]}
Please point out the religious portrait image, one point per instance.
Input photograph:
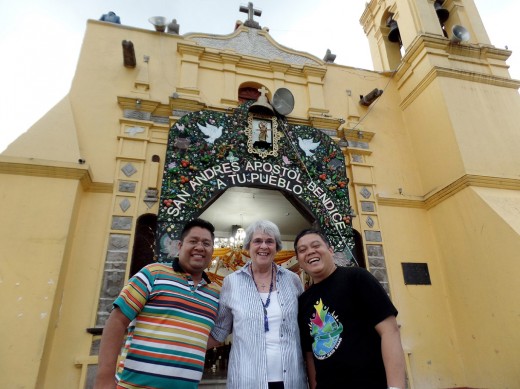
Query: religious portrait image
{"points": [[262, 135]]}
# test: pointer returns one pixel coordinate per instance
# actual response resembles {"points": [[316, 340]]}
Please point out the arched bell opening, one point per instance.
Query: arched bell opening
{"points": [[389, 29]]}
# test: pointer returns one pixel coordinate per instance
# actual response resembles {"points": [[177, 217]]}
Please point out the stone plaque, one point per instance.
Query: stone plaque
{"points": [[416, 273]]}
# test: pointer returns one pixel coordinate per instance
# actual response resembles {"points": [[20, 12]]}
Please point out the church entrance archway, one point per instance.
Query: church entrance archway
{"points": [[210, 152], [242, 206]]}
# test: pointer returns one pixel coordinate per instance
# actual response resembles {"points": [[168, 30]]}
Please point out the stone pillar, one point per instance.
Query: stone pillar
{"points": [[189, 72], [279, 69], [315, 76], [230, 91]]}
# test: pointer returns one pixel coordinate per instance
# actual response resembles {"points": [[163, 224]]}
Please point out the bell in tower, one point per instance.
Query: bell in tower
{"points": [[442, 13], [393, 35]]}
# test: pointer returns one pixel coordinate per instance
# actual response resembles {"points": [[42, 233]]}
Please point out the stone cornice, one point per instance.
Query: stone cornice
{"points": [[478, 77], [325, 122], [53, 169], [190, 49], [433, 45], [314, 71], [278, 66], [430, 200], [144, 105], [357, 134], [231, 58], [457, 74], [180, 103]]}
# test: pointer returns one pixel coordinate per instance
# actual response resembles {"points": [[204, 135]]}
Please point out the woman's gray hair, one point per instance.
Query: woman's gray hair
{"points": [[266, 227]]}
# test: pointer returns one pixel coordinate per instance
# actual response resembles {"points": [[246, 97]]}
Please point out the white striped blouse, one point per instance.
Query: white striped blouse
{"points": [[241, 312]]}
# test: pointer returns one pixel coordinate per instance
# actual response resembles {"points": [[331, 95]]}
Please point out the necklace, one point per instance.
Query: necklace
{"points": [[266, 304], [262, 283]]}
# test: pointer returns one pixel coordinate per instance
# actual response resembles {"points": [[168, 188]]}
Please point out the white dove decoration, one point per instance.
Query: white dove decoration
{"points": [[308, 146], [211, 131]]}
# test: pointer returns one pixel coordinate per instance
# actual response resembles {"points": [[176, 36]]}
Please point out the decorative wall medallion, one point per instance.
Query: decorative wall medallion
{"points": [[122, 223], [373, 236], [365, 193], [368, 206], [129, 169], [118, 242], [126, 186], [262, 135], [124, 204], [370, 222]]}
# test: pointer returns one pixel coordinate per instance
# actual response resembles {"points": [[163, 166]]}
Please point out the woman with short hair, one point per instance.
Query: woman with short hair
{"points": [[259, 305]]}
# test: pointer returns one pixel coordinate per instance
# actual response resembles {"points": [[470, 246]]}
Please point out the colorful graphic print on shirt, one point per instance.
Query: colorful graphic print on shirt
{"points": [[326, 331]]}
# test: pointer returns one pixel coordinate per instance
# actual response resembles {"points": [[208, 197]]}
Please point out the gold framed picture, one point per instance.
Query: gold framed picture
{"points": [[262, 135]]}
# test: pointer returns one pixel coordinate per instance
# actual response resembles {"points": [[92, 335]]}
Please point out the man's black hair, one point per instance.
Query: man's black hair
{"points": [[310, 231], [198, 223]]}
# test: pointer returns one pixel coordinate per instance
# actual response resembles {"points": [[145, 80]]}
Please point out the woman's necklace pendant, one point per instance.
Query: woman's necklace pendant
{"points": [[266, 320]]}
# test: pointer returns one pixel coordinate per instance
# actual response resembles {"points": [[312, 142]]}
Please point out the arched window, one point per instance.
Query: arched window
{"points": [[358, 252], [248, 92], [144, 243]]}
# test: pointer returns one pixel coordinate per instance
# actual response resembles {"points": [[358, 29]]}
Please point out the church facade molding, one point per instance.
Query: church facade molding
{"points": [[431, 200], [53, 169]]}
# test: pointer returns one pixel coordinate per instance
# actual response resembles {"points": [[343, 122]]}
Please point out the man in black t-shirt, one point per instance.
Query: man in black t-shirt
{"points": [[348, 326]]}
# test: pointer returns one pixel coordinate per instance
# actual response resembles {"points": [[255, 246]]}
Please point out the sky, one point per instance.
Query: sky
{"points": [[40, 40]]}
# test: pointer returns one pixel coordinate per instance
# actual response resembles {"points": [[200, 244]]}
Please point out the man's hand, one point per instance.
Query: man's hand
{"points": [[110, 347]]}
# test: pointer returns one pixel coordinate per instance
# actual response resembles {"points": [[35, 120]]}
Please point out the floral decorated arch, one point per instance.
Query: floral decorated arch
{"points": [[209, 152]]}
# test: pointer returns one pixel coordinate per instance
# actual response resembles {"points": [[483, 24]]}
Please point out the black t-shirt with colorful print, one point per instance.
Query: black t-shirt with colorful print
{"points": [[337, 318]]}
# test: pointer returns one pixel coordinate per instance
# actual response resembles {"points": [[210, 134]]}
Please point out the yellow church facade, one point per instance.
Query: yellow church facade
{"points": [[427, 146]]}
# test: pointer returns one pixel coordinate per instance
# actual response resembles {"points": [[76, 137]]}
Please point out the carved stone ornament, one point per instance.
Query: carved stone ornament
{"points": [[262, 135]]}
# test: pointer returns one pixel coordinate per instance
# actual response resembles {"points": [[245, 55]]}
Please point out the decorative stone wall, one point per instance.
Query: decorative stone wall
{"points": [[113, 275], [358, 152]]}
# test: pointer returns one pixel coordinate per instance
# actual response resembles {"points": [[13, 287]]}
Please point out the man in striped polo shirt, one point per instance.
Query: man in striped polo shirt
{"points": [[169, 311]]}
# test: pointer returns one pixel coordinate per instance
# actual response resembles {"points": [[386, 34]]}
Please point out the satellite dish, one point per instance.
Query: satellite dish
{"points": [[283, 101], [159, 22], [460, 34]]}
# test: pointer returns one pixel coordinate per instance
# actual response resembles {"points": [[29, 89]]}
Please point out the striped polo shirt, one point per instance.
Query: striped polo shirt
{"points": [[171, 321]]}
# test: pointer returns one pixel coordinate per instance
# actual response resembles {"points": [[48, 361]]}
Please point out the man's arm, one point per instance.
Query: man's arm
{"points": [[111, 341], [392, 351], [212, 342], [311, 369]]}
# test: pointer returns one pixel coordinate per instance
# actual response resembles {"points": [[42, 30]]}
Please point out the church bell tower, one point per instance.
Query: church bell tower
{"points": [[395, 27], [461, 111]]}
